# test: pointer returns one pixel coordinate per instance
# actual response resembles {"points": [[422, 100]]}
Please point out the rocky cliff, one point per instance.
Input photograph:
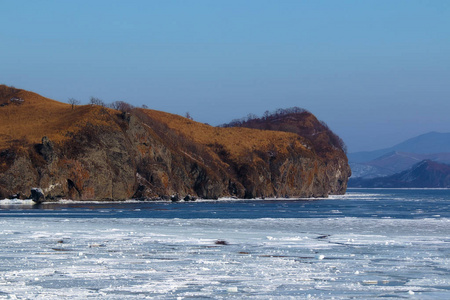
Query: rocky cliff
{"points": [[91, 152]]}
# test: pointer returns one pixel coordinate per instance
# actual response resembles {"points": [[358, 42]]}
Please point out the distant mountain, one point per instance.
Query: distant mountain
{"points": [[394, 162], [426, 174], [432, 142], [367, 171]]}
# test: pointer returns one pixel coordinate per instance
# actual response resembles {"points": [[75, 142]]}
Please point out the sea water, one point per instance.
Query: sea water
{"points": [[391, 244]]}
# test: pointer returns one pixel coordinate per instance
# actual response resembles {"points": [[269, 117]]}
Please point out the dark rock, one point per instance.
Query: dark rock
{"points": [[189, 198], [221, 242], [37, 195], [47, 149], [17, 196], [323, 236]]}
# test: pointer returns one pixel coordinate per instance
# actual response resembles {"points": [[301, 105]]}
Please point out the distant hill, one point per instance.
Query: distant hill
{"points": [[432, 142], [93, 152], [426, 174], [394, 162]]}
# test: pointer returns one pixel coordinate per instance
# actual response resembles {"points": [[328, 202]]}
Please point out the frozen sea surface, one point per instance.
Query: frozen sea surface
{"points": [[73, 253]]}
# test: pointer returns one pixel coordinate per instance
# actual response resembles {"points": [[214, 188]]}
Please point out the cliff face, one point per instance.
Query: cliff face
{"points": [[91, 152]]}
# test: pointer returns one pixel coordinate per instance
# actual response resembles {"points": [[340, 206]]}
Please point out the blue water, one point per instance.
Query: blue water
{"points": [[360, 203]]}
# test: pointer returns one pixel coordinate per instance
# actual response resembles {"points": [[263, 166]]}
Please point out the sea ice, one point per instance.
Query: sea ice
{"points": [[59, 258]]}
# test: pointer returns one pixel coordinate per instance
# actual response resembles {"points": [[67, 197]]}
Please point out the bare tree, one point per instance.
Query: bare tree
{"points": [[122, 106], [96, 101], [73, 102], [188, 116], [251, 117]]}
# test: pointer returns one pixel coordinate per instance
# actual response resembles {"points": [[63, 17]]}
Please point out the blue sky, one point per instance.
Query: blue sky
{"points": [[378, 72]]}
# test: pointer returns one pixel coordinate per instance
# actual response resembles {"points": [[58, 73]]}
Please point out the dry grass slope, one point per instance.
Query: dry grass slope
{"points": [[236, 141], [38, 116], [27, 122]]}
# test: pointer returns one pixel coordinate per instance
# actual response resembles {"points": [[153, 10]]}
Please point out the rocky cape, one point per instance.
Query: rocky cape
{"points": [[90, 152]]}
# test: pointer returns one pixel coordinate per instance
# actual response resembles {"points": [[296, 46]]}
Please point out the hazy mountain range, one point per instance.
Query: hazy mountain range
{"points": [[426, 174], [432, 142], [432, 146], [395, 166]]}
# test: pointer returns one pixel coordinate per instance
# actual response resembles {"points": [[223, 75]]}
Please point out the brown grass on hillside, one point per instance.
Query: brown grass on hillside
{"points": [[296, 120], [236, 142], [38, 116]]}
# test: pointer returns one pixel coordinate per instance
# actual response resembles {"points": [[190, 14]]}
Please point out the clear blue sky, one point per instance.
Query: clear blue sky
{"points": [[378, 72]]}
